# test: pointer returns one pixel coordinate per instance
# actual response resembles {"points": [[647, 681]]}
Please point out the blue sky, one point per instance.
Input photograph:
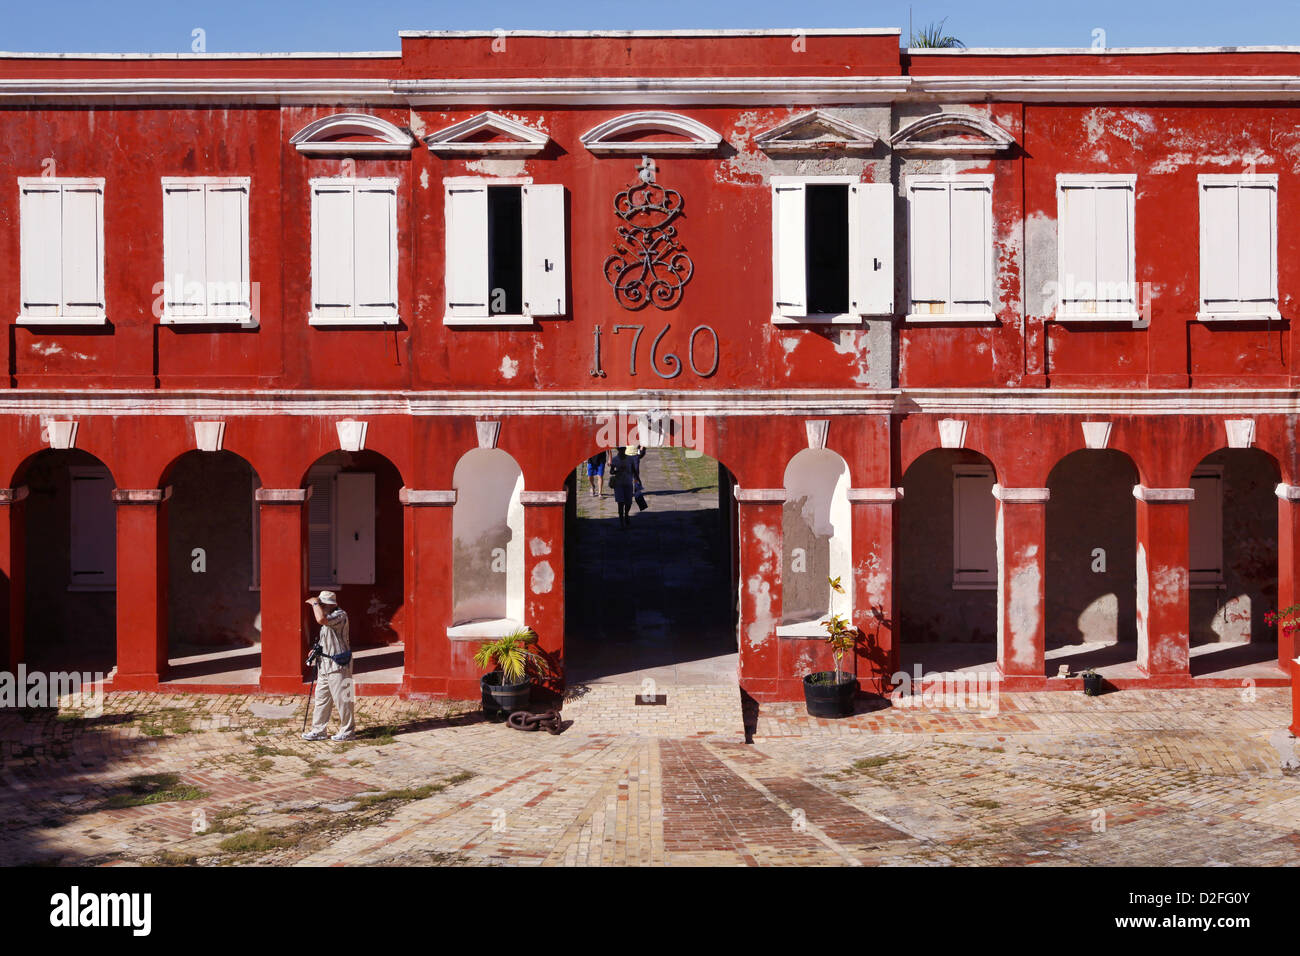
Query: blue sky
{"points": [[268, 25]]}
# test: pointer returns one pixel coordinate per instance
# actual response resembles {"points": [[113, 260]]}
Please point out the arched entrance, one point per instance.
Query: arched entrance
{"points": [[656, 598], [356, 547], [70, 567], [214, 621], [1091, 570], [1232, 562], [948, 563]]}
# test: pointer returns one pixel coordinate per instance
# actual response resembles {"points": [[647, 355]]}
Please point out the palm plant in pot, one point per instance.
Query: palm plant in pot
{"points": [[514, 659], [831, 693]]}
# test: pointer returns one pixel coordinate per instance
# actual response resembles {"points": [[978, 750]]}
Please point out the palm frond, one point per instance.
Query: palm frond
{"points": [[932, 37]]}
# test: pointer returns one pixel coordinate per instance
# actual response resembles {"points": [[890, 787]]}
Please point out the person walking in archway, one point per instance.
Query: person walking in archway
{"points": [[622, 479], [333, 655], [596, 472]]}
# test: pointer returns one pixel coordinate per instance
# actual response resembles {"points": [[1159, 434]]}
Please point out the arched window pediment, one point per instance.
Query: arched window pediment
{"points": [[952, 134], [350, 133], [613, 137]]}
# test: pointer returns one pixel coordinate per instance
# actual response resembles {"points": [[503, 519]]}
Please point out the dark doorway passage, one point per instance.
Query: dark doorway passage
{"points": [[656, 599]]}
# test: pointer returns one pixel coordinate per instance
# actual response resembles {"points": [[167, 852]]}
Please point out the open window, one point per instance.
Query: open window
{"points": [[1205, 527], [950, 248], [354, 251], [1097, 270], [205, 251], [61, 226], [974, 528], [1238, 247], [832, 249], [506, 252]]}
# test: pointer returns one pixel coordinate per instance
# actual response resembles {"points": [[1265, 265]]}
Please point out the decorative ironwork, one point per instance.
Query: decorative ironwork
{"points": [[649, 265]]}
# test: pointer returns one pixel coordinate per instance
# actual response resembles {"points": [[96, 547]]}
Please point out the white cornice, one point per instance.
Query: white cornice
{"points": [[581, 34], [624, 91], [215, 403]]}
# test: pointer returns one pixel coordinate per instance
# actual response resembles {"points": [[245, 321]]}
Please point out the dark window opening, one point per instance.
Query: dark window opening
{"points": [[505, 250], [826, 226]]}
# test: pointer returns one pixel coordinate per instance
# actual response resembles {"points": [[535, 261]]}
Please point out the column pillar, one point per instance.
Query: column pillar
{"points": [[1288, 566], [13, 561], [544, 568], [427, 515], [1022, 564], [282, 516], [141, 587], [1163, 617], [760, 511], [873, 521]]}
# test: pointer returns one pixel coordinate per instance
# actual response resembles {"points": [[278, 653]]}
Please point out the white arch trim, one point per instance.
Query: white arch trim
{"points": [[991, 137], [697, 138], [320, 136]]}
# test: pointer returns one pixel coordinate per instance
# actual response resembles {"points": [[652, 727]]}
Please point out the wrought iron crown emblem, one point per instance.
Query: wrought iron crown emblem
{"points": [[649, 264]]}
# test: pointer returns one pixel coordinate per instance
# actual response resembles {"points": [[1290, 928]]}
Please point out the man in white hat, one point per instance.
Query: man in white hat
{"points": [[334, 687]]}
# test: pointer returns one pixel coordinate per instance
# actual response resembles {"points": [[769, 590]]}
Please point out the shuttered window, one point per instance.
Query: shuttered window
{"points": [[93, 547], [1238, 247], [974, 528], [832, 249], [506, 260], [354, 252], [1096, 263], [1205, 528], [950, 248], [321, 571], [205, 251], [62, 250]]}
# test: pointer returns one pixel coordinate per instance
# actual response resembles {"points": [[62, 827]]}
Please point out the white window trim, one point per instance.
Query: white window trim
{"points": [[382, 321], [815, 318], [1079, 180], [952, 318], [77, 320], [1202, 580], [969, 583], [496, 319], [1235, 179], [243, 318]]}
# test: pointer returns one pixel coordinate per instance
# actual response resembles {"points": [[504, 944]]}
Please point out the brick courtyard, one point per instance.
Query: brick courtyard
{"points": [[1167, 778]]}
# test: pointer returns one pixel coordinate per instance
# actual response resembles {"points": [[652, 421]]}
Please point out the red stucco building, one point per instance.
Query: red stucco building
{"points": [[1000, 337]]}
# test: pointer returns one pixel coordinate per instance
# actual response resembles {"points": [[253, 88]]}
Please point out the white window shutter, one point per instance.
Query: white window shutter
{"points": [[354, 547], [184, 242], [41, 220], [375, 251], [82, 265], [467, 251], [928, 247], [975, 558], [1077, 234], [789, 251], [1257, 244], [545, 269], [226, 243], [320, 528], [93, 551], [1219, 278], [871, 248], [331, 259], [1114, 252], [970, 252]]}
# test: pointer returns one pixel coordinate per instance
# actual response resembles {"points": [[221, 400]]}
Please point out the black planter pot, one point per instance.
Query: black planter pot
{"points": [[827, 699], [1092, 685], [501, 698]]}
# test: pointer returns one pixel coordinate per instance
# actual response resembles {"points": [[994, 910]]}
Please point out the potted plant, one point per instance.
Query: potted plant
{"points": [[1091, 683], [831, 693], [515, 659]]}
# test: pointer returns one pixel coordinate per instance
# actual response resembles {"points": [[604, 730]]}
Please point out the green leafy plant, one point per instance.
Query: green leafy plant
{"points": [[932, 37], [514, 654], [842, 637]]}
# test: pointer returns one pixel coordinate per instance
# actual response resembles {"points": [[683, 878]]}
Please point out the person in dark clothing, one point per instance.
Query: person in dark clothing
{"points": [[596, 472], [623, 482]]}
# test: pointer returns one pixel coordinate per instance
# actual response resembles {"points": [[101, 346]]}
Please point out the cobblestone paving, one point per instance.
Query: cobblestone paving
{"points": [[1141, 777]]}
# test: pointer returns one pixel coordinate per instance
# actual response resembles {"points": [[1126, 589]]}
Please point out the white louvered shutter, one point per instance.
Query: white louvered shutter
{"points": [[871, 248], [789, 251], [467, 251], [545, 242]]}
